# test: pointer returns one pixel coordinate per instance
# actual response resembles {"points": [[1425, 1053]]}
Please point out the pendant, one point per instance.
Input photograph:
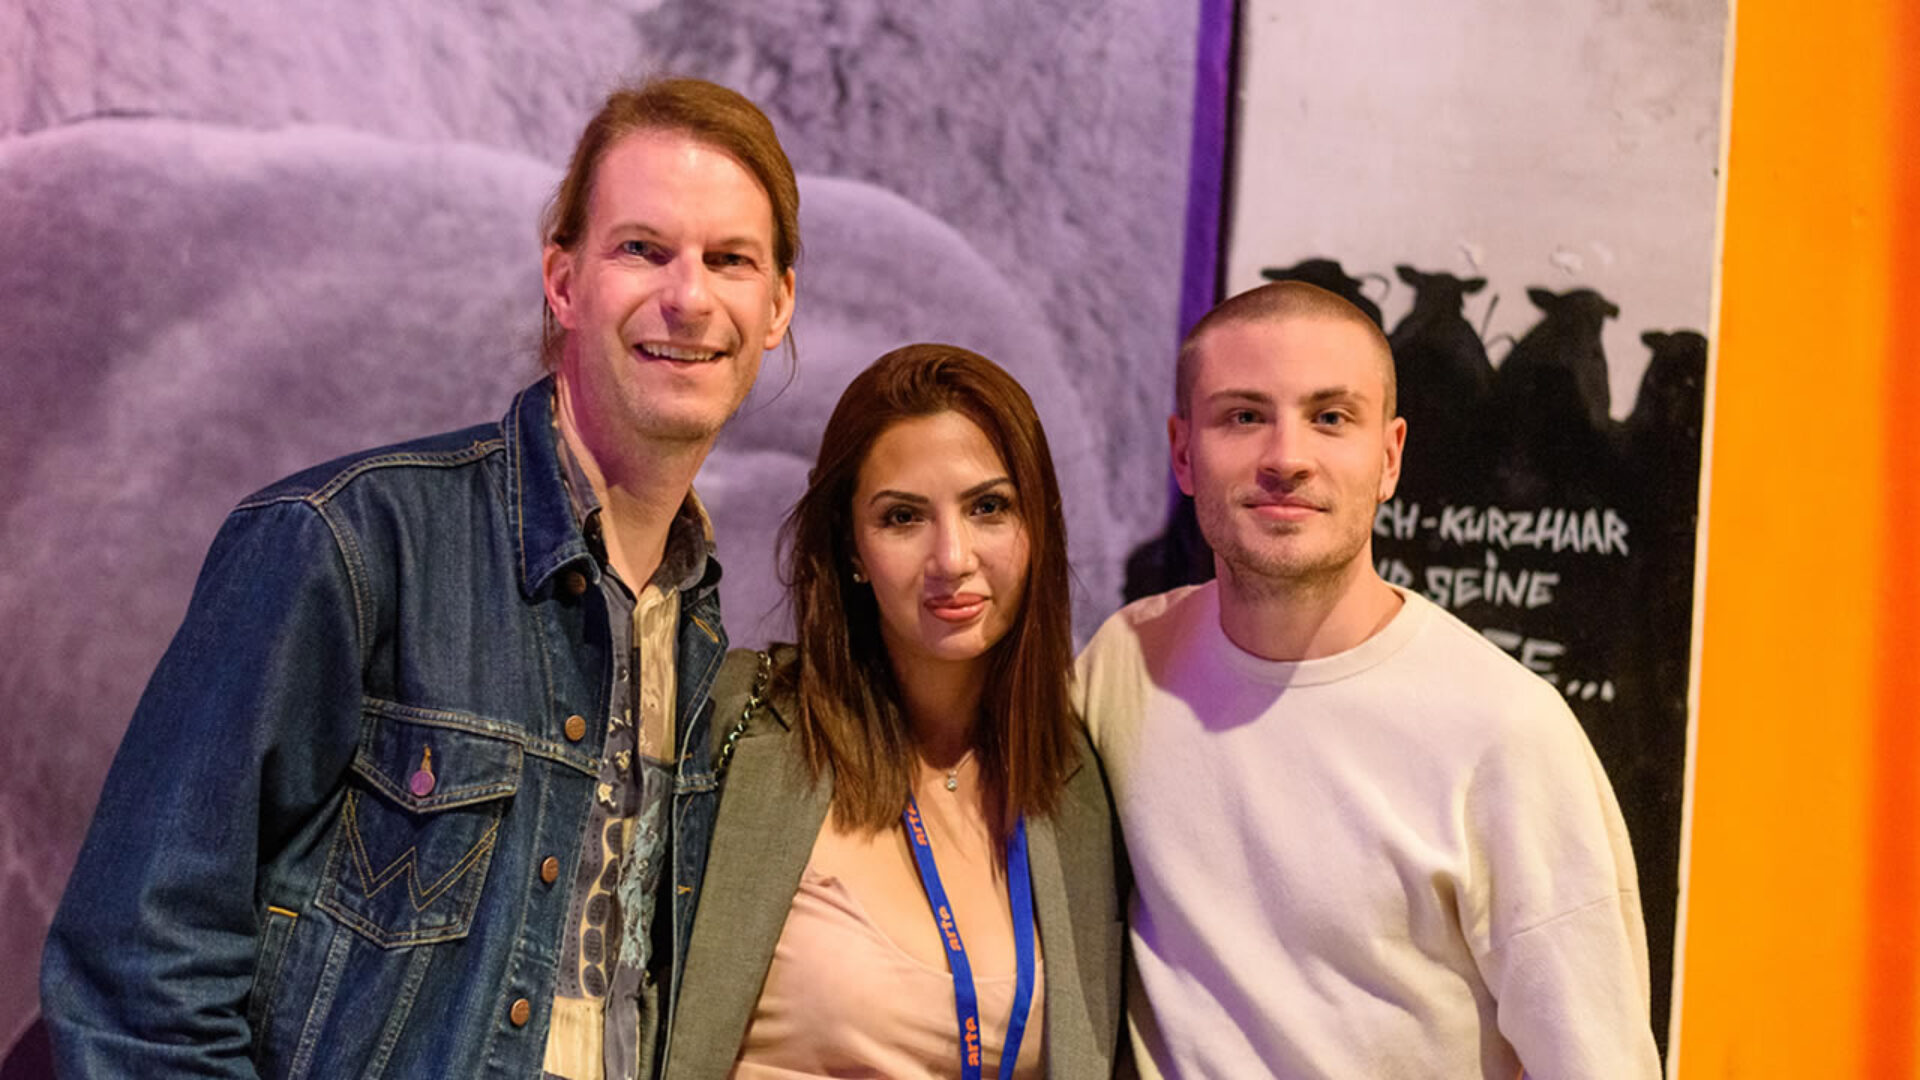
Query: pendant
{"points": [[953, 774]]}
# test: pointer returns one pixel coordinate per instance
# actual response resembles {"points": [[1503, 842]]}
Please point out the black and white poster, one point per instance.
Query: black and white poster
{"points": [[1524, 198]]}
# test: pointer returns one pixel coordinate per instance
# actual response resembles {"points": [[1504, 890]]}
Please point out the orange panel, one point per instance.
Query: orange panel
{"points": [[1784, 948], [1893, 990]]}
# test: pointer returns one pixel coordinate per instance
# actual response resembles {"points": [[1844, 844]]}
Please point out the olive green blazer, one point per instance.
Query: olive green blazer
{"points": [[771, 812]]}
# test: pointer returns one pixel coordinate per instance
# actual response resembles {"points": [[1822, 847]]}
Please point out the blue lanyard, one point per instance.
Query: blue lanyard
{"points": [[966, 1004]]}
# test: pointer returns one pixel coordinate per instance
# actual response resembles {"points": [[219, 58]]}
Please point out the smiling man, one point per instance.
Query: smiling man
{"points": [[1365, 842], [421, 787]]}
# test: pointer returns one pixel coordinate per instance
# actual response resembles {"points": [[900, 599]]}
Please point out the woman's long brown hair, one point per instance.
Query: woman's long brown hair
{"points": [[850, 721]]}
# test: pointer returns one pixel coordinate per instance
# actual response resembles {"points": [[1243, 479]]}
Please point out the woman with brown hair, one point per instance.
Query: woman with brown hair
{"points": [[914, 871]]}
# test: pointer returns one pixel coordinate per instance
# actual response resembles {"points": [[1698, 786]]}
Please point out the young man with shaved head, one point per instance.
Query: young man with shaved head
{"points": [[422, 787], [1365, 842]]}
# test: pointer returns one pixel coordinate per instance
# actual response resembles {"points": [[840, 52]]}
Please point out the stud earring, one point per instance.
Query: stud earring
{"points": [[859, 578]]}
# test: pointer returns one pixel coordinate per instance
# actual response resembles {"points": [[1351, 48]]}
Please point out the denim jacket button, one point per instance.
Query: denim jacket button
{"points": [[549, 869], [574, 582], [576, 727], [521, 1012]]}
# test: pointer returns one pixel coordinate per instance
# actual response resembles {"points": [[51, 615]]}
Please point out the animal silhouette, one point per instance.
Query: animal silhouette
{"points": [[1567, 337], [1444, 378], [1663, 431]]}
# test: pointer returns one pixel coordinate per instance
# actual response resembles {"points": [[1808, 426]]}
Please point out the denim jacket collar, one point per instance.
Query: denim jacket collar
{"points": [[683, 566], [544, 528], [545, 521]]}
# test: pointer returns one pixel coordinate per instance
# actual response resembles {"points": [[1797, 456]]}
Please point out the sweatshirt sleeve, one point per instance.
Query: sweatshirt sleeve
{"points": [[1554, 913]]}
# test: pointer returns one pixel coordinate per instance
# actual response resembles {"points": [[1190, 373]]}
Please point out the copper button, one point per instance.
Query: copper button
{"points": [[521, 1012], [549, 869], [574, 582], [576, 727]]}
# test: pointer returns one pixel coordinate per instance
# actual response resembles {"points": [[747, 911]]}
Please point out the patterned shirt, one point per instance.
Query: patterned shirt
{"points": [[605, 961]]}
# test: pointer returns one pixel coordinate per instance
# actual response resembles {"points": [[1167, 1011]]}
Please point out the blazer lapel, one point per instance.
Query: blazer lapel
{"points": [[1078, 907], [1069, 1036], [769, 816]]}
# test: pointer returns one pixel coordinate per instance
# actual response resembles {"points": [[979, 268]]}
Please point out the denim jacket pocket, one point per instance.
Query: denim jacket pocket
{"points": [[418, 824]]}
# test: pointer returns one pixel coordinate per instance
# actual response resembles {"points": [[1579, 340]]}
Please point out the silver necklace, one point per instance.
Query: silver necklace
{"points": [[953, 774]]}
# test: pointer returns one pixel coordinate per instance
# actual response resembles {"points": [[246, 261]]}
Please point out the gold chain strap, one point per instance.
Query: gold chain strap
{"points": [[755, 698]]}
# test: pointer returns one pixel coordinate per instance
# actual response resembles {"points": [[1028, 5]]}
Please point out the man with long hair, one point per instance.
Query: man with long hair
{"points": [[420, 787]]}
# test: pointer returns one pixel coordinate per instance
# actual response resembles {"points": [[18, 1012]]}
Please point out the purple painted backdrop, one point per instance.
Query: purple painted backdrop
{"points": [[239, 237]]}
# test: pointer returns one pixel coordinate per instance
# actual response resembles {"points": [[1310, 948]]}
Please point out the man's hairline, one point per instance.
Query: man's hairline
{"points": [[699, 138], [1190, 349]]}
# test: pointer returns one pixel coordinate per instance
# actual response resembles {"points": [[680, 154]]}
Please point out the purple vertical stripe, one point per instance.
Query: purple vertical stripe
{"points": [[1207, 161]]}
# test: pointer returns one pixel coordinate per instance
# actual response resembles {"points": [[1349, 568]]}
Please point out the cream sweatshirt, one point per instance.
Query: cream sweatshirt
{"points": [[1403, 860]]}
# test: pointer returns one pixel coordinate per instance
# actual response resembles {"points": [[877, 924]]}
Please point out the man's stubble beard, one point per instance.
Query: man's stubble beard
{"points": [[1256, 574], [653, 419]]}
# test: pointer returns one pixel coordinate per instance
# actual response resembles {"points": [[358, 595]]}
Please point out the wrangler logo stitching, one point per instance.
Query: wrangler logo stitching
{"points": [[372, 884]]}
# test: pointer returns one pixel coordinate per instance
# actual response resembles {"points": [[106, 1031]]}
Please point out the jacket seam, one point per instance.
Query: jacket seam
{"points": [[496, 729], [396, 1025], [347, 547], [539, 988], [332, 967], [516, 468], [328, 489]]}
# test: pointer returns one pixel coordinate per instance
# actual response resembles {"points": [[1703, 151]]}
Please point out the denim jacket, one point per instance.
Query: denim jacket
{"points": [[273, 884]]}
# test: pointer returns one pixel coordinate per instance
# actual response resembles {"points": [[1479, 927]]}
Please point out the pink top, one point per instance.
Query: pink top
{"points": [[841, 999]]}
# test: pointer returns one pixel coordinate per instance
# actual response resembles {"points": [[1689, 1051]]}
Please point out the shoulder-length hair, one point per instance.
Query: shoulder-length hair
{"points": [[849, 719]]}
